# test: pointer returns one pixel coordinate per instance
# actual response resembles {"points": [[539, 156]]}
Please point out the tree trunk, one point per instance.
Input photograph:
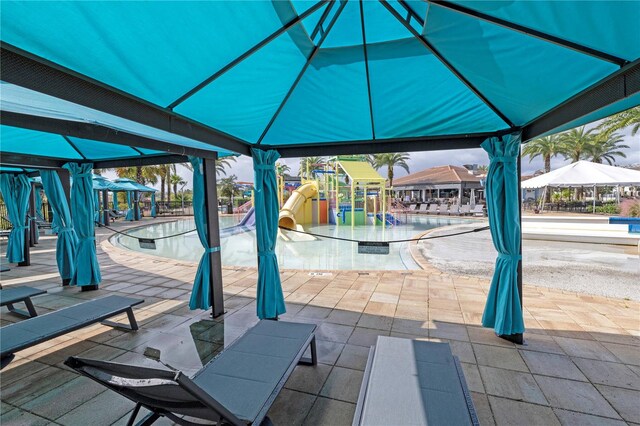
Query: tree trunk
{"points": [[168, 182], [139, 175], [162, 188], [390, 175], [547, 169], [547, 163]]}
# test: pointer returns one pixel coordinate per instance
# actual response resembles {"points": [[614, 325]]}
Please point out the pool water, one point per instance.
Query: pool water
{"points": [[239, 245]]}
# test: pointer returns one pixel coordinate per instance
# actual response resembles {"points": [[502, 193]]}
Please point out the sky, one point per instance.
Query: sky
{"points": [[243, 167]]}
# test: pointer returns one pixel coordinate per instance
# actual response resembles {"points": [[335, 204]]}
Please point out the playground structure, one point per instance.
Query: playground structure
{"points": [[344, 190]]}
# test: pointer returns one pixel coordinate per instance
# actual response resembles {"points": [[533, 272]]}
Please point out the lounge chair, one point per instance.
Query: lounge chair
{"points": [[454, 209], [412, 208], [433, 209], [423, 208], [24, 334], [237, 387], [478, 210], [427, 381], [13, 295], [113, 214], [465, 210]]}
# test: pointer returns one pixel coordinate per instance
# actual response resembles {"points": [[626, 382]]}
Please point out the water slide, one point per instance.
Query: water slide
{"points": [[287, 218]]}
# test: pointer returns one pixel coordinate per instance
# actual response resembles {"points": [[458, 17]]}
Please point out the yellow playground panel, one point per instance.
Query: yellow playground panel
{"points": [[346, 190]]}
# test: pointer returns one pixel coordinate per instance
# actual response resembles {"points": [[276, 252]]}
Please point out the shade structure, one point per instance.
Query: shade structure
{"points": [[15, 192], [326, 77], [201, 293], [67, 242], [411, 73], [585, 173], [503, 310], [269, 297], [87, 271]]}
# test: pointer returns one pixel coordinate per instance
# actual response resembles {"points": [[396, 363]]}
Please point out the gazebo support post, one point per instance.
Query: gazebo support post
{"points": [[105, 207], [518, 338], [213, 226], [65, 180], [136, 205], [33, 229]]}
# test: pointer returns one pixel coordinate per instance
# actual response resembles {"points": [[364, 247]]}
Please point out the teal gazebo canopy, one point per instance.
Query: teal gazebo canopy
{"points": [[298, 75], [302, 78]]}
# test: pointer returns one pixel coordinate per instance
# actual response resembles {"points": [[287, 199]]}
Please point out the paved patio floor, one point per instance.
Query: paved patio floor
{"points": [[580, 364]]}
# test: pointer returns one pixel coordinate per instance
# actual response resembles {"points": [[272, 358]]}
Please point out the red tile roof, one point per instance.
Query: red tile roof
{"points": [[437, 175]]}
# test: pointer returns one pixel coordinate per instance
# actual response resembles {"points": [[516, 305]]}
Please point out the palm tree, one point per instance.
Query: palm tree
{"points": [[575, 142], [390, 160], [228, 186], [606, 146], [175, 181], [630, 117], [546, 147], [142, 175], [282, 168], [222, 164], [313, 163]]}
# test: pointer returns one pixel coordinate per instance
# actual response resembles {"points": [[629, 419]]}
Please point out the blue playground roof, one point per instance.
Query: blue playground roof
{"points": [[228, 75]]}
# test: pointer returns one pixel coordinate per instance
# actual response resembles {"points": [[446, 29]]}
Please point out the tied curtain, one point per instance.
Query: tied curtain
{"points": [[269, 298], [67, 242], [87, 271], [503, 312], [116, 207], [15, 191], [153, 205], [129, 214], [201, 293]]}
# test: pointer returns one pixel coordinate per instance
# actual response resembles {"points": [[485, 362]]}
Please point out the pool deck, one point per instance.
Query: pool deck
{"points": [[580, 364]]}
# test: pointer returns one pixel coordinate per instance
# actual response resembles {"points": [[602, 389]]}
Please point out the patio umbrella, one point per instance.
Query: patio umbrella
{"points": [[269, 298], [15, 191]]}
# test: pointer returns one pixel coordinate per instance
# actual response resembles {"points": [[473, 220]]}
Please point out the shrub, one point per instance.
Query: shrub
{"points": [[630, 208], [608, 209]]}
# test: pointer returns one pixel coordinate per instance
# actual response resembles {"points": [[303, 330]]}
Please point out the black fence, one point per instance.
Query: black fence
{"points": [[45, 214], [565, 206], [168, 208]]}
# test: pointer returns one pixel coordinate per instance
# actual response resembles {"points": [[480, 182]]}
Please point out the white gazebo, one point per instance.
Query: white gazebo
{"points": [[585, 173]]}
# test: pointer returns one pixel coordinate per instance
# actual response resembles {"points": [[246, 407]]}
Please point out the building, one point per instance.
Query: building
{"points": [[440, 183]]}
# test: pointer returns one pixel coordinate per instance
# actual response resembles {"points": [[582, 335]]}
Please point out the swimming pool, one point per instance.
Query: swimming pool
{"points": [[238, 245]]}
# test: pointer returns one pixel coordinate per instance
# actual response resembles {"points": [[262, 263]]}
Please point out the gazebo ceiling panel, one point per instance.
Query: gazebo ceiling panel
{"points": [[615, 23], [243, 101], [521, 75], [303, 73]]}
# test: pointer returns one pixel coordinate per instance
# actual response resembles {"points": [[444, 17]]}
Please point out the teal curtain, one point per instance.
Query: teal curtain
{"points": [[39, 214], [129, 214], [153, 205], [87, 271], [201, 293], [503, 312], [96, 216], [67, 242], [15, 191], [269, 298], [116, 207]]}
